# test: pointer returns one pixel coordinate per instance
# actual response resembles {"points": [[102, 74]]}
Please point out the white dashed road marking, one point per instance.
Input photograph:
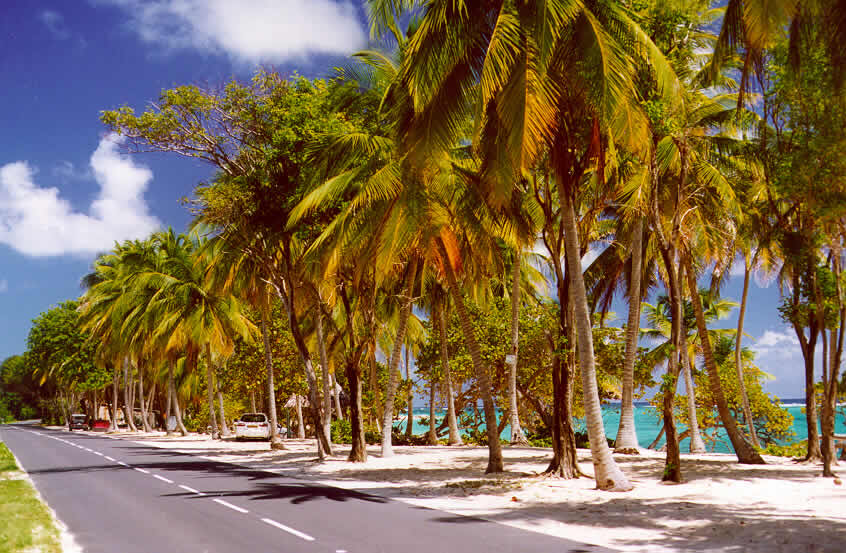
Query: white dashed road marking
{"points": [[287, 529], [163, 479], [142, 470], [192, 490], [110, 459], [121, 463], [231, 506]]}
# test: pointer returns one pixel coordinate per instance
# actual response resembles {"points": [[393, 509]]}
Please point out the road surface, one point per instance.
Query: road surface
{"points": [[118, 496]]}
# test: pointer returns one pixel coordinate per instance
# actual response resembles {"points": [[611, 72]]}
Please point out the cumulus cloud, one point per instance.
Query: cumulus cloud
{"points": [[55, 23], [38, 222], [779, 344], [248, 31]]}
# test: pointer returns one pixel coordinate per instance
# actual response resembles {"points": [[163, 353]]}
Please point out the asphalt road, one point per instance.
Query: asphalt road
{"points": [[118, 496]]}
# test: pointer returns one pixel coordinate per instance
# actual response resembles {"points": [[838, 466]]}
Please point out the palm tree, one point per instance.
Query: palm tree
{"points": [[531, 67], [231, 269]]}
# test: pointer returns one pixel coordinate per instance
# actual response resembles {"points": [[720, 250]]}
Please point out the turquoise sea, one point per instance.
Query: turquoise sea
{"points": [[648, 424]]}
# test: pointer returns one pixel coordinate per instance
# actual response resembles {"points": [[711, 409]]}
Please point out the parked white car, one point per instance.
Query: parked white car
{"points": [[252, 425]]}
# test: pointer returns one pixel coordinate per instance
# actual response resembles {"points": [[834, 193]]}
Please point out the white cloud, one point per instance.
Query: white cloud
{"points": [[777, 344], [67, 172], [38, 222], [4, 286], [55, 23], [248, 31]]}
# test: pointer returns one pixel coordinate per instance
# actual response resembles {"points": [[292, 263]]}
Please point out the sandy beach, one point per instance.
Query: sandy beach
{"points": [[722, 506]]}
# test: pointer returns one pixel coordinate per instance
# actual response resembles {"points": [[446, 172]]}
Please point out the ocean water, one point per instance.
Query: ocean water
{"points": [[648, 425]]}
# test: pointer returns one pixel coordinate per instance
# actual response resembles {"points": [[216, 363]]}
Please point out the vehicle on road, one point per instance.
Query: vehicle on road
{"points": [[100, 425], [252, 425], [78, 422]]}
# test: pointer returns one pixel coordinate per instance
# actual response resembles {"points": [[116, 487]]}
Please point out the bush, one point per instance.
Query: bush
{"points": [[399, 438], [797, 449], [342, 433]]}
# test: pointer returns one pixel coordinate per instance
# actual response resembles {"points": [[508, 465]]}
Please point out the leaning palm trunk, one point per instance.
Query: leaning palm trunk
{"points": [[607, 474], [115, 379], [300, 423], [432, 435], [626, 441], [454, 434], [275, 440], [697, 445], [482, 376], [409, 428], [177, 412], [517, 436], [323, 445], [738, 353], [128, 401], [393, 366], [224, 427], [324, 373], [213, 432], [336, 398], [145, 419], [168, 402], [745, 453]]}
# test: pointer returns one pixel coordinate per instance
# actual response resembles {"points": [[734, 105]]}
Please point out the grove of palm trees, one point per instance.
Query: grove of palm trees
{"points": [[429, 205]]}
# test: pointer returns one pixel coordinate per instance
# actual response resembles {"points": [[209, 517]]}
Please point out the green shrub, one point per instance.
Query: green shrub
{"points": [[797, 449], [342, 433]]}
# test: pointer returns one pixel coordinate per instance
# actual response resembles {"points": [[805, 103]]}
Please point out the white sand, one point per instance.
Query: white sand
{"points": [[721, 506]]}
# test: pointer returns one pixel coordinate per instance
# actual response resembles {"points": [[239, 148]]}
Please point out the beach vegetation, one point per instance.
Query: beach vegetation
{"points": [[470, 195]]}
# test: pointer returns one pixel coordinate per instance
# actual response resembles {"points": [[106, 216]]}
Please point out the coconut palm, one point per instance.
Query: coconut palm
{"points": [[518, 64]]}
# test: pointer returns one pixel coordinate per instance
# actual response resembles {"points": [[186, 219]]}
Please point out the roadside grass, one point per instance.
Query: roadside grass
{"points": [[26, 525]]}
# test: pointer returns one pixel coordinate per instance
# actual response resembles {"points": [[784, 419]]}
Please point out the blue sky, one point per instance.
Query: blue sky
{"points": [[68, 192]]}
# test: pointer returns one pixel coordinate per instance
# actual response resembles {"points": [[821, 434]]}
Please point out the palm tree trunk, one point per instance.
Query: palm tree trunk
{"points": [[697, 445], [454, 434], [145, 420], [127, 397], [672, 463], [151, 419], [393, 366], [607, 474], [409, 428], [339, 412], [113, 427], [432, 435], [482, 376], [177, 412], [738, 354], [358, 451], [626, 441], [300, 423], [564, 463], [224, 427], [275, 439], [169, 400], [215, 432], [323, 445], [324, 373], [517, 436], [746, 454]]}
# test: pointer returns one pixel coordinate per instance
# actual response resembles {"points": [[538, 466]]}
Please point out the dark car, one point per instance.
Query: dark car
{"points": [[78, 422]]}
